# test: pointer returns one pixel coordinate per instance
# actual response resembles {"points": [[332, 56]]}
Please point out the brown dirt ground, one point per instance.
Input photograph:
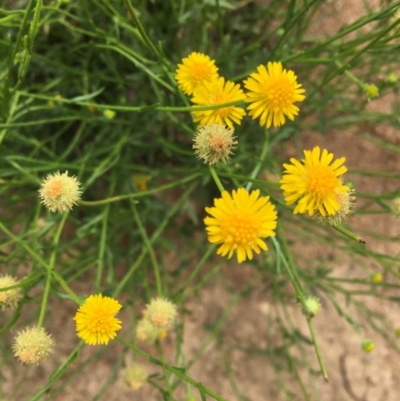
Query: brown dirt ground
{"points": [[353, 375]]}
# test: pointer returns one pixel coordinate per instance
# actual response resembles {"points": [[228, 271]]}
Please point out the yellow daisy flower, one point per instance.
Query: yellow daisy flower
{"points": [[218, 92], [315, 183], [272, 93], [195, 69], [95, 321], [239, 221]]}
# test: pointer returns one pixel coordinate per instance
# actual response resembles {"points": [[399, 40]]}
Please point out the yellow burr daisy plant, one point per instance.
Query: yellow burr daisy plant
{"points": [[315, 183], [239, 222], [272, 92], [195, 69], [218, 92], [95, 319]]}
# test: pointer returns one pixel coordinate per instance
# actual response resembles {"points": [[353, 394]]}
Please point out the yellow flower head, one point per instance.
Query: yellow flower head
{"points": [[371, 91], [196, 69], [135, 376], [376, 278], [140, 181], [314, 183], [32, 345], [347, 201], [272, 93], [110, 114], [214, 143], [95, 321], [59, 192], [367, 346], [239, 221], [9, 298], [214, 93]]}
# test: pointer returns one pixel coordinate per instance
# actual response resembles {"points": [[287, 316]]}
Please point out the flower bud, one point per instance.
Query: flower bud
{"points": [[311, 306], [367, 346]]}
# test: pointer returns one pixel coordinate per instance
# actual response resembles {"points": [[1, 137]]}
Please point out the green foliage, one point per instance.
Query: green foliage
{"points": [[63, 63]]}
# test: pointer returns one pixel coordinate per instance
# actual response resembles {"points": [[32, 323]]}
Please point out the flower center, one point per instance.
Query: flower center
{"points": [[279, 93], [322, 181], [159, 319], [54, 189], [218, 143], [241, 228], [201, 72], [219, 99], [100, 322]]}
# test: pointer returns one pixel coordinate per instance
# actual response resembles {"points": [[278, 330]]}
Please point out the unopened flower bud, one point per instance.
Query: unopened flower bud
{"points": [[367, 346], [311, 306]]}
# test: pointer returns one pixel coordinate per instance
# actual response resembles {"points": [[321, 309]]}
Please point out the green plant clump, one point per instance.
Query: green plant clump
{"points": [[155, 151]]}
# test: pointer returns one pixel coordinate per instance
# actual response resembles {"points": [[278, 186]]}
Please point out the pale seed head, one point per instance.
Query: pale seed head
{"points": [[161, 313], [59, 192], [9, 298], [214, 143], [32, 345], [135, 376]]}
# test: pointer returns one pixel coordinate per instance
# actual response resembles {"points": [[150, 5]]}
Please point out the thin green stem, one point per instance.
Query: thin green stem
{"points": [[260, 162], [165, 371], [216, 178], [139, 194], [176, 371], [53, 258], [154, 237], [149, 248], [301, 297], [143, 32], [149, 107], [348, 234], [41, 262]]}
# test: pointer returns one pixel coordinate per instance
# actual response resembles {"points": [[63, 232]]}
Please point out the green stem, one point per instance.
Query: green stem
{"points": [[260, 162], [139, 194], [216, 178], [300, 295], [317, 350], [154, 237], [150, 250], [41, 262], [144, 108], [348, 234], [50, 270], [166, 379], [176, 371], [143, 32]]}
